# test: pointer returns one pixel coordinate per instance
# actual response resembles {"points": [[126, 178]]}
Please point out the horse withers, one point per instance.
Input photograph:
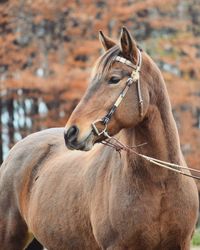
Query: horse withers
{"points": [[90, 196]]}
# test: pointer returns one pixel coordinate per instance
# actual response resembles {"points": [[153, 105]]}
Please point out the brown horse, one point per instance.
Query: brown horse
{"points": [[98, 199]]}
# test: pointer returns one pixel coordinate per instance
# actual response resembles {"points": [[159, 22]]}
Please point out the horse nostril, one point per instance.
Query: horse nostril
{"points": [[71, 134]]}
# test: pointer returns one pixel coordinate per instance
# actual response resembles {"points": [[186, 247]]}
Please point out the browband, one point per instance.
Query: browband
{"points": [[129, 63], [125, 61]]}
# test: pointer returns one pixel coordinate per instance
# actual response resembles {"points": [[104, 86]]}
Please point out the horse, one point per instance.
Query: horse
{"points": [[69, 191]]}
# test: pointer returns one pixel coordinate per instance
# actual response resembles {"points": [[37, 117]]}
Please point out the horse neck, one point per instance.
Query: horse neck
{"points": [[159, 131]]}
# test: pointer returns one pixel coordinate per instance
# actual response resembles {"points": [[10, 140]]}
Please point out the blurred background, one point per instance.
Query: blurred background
{"points": [[48, 47]]}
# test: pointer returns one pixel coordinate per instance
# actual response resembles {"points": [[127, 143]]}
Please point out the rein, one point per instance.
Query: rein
{"points": [[118, 146]]}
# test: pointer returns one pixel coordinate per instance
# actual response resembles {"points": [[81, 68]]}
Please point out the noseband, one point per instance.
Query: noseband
{"points": [[134, 78]]}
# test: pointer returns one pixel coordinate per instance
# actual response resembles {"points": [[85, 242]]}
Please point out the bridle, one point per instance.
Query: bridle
{"points": [[134, 78]]}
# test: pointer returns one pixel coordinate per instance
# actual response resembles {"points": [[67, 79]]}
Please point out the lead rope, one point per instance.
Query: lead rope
{"points": [[167, 165]]}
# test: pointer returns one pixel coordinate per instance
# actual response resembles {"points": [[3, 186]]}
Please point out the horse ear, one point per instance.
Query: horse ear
{"points": [[128, 45], [106, 41]]}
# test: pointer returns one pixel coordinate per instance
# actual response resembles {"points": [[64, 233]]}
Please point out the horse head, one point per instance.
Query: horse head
{"points": [[117, 96]]}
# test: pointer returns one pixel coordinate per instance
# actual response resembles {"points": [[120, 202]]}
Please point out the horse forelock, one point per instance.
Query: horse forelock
{"points": [[105, 62]]}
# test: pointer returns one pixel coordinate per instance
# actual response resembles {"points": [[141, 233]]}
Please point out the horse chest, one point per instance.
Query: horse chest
{"points": [[144, 219], [133, 209]]}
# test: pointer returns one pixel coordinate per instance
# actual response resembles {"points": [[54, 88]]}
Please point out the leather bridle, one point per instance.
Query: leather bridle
{"points": [[119, 146], [134, 78]]}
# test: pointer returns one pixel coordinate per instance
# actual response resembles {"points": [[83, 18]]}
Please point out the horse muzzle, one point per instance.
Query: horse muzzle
{"points": [[72, 141]]}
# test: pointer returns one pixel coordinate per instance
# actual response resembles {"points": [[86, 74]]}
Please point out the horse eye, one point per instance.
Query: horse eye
{"points": [[114, 80]]}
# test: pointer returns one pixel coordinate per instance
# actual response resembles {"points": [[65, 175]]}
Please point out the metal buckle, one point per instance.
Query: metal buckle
{"points": [[135, 75], [103, 132]]}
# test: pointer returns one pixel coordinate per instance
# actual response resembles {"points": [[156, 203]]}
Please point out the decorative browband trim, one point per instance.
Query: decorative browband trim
{"points": [[125, 61]]}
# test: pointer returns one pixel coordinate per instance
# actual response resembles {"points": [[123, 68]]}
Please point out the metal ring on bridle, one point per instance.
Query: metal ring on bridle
{"points": [[96, 130]]}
